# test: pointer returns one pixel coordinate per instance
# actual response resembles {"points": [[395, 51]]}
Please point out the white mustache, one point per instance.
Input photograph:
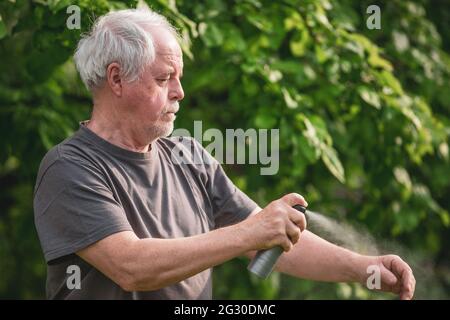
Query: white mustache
{"points": [[174, 107]]}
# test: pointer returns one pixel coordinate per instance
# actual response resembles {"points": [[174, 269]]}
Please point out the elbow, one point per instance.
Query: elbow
{"points": [[127, 286], [130, 279], [127, 283], [125, 277], [130, 283]]}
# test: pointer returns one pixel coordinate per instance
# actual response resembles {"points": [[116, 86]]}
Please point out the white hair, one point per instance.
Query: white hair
{"points": [[119, 36]]}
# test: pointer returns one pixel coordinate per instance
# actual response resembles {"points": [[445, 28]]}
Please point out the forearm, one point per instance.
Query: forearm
{"points": [[317, 259], [161, 262]]}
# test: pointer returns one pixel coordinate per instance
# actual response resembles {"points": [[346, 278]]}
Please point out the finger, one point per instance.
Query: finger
{"points": [[398, 266], [389, 282], [388, 277], [396, 288], [413, 286], [294, 198], [287, 245], [298, 218], [408, 284], [406, 278], [293, 232]]}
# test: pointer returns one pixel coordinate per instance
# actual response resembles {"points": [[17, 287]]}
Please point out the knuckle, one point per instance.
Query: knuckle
{"points": [[277, 209], [278, 239], [287, 246], [279, 225], [299, 196], [287, 196], [304, 223], [293, 238]]}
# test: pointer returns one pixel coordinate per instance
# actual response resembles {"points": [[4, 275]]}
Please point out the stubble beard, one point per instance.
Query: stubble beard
{"points": [[161, 129]]}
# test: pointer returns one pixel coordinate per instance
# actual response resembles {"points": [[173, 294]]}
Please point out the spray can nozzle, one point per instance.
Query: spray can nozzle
{"points": [[264, 261]]}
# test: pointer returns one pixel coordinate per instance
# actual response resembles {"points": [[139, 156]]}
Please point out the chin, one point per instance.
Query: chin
{"points": [[168, 131], [161, 130]]}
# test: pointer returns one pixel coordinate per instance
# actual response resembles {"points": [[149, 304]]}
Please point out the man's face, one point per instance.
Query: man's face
{"points": [[153, 99]]}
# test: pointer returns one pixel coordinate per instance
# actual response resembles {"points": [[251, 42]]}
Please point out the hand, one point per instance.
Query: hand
{"points": [[396, 275], [277, 224]]}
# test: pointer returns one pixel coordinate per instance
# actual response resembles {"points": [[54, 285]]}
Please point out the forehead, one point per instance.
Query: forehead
{"points": [[167, 64], [168, 51], [168, 60]]}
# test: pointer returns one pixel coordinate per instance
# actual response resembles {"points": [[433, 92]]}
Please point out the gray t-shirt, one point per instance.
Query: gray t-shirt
{"points": [[88, 189]]}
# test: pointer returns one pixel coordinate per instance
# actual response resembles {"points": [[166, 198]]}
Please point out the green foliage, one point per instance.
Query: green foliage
{"points": [[363, 114]]}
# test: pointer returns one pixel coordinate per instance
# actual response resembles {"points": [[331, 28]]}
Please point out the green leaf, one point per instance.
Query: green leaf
{"points": [[445, 218], [376, 61], [60, 4], [388, 79], [332, 162], [318, 137], [290, 102], [211, 34], [306, 150], [293, 21], [3, 31], [355, 47], [300, 43], [321, 16], [260, 21], [369, 97], [322, 53]]}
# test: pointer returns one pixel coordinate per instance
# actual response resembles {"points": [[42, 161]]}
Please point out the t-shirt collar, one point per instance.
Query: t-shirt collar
{"points": [[84, 131]]}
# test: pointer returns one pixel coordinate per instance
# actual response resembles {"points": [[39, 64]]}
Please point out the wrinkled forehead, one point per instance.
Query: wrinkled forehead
{"points": [[169, 48], [168, 63], [168, 51]]}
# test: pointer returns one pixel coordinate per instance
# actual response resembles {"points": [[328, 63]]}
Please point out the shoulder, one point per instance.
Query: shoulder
{"points": [[66, 162]]}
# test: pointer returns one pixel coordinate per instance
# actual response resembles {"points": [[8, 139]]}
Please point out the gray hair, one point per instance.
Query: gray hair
{"points": [[119, 36]]}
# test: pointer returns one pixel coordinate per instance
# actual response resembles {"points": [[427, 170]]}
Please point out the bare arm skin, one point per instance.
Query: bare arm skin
{"points": [[149, 264], [317, 259]]}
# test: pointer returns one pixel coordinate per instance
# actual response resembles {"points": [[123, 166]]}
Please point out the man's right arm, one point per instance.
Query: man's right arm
{"points": [[150, 264]]}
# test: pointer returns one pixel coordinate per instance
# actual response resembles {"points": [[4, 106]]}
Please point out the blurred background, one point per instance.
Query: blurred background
{"points": [[364, 119]]}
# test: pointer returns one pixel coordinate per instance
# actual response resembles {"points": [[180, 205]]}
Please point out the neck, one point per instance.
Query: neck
{"points": [[106, 123]]}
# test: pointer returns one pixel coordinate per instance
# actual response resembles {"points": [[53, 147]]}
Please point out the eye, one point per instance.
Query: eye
{"points": [[164, 80]]}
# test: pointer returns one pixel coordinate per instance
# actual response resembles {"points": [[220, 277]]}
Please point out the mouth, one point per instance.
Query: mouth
{"points": [[170, 115], [173, 111]]}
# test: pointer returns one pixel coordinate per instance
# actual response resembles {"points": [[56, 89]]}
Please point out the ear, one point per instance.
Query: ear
{"points": [[114, 78]]}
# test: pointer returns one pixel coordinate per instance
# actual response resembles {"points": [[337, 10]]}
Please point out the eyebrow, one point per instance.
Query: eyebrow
{"points": [[170, 70]]}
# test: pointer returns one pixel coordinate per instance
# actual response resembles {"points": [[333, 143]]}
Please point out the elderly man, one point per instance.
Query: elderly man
{"points": [[111, 201]]}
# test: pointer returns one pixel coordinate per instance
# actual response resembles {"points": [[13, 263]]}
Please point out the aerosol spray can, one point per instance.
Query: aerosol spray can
{"points": [[264, 261]]}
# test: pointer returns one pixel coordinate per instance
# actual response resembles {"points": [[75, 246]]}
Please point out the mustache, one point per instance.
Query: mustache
{"points": [[174, 107]]}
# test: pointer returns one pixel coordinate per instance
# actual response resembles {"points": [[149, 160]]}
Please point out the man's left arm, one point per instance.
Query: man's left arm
{"points": [[317, 259]]}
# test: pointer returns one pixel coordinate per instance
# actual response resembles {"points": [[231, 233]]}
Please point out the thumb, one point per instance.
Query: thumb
{"points": [[294, 198]]}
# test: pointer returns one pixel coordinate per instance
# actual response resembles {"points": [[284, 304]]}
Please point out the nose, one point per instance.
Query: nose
{"points": [[176, 90]]}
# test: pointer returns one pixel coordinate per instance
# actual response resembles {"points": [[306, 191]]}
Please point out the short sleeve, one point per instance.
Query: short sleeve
{"points": [[230, 204], [74, 208]]}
